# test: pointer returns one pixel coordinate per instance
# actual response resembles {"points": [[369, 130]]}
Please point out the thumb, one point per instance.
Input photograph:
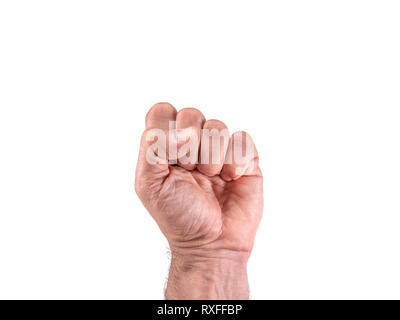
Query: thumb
{"points": [[158, 148], [152, 165]]}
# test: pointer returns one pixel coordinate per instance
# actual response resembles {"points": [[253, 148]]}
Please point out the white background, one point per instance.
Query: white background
{"points": [[316, 83]]}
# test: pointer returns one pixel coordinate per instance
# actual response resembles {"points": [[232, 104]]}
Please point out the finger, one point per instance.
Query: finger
{"points": [[161, 116], [213, 145], [189, 151], [241, 158], [152, 164]]}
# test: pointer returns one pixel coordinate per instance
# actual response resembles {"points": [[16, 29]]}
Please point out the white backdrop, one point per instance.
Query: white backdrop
{"points": [[316, 83]]}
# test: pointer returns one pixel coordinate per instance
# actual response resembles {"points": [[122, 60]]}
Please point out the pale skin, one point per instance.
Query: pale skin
{"points": [[209, 212]]}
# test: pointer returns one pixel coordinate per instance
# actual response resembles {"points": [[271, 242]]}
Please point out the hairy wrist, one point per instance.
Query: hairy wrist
{"points": [[195, 275]]}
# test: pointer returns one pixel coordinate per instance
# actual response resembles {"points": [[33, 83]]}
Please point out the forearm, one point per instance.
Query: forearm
{"points": [[200, 277]]}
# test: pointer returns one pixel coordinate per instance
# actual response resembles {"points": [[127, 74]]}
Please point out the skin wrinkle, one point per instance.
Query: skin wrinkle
{"points": [[207, 212], [179, 180]]}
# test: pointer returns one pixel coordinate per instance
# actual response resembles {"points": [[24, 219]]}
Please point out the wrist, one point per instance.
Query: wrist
{"points": [[208, 275]]}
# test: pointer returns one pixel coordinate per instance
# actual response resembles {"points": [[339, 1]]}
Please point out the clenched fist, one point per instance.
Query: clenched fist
{"points": [[203, 187]]}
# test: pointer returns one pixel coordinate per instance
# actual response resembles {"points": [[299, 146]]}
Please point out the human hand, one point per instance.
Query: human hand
{"points": [[209, 211]]}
